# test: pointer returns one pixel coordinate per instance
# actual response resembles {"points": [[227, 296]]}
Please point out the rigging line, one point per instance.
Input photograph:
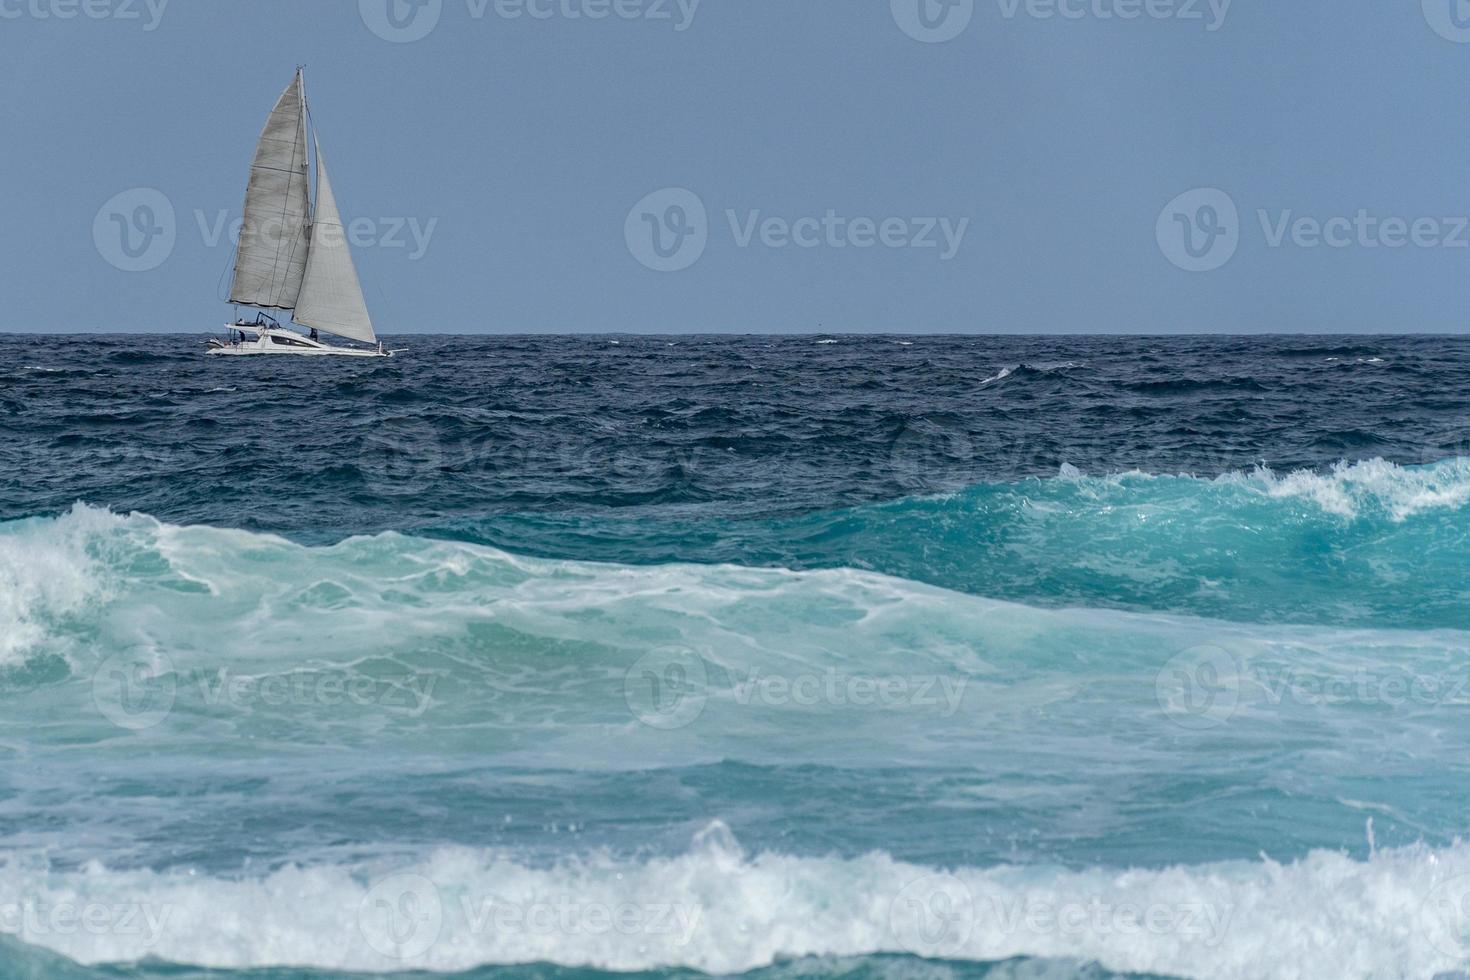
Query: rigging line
{"points": [[229, 263], [392, 315]]}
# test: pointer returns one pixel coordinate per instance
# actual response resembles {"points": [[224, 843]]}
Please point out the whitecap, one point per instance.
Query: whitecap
{"points": [[721, 910]]}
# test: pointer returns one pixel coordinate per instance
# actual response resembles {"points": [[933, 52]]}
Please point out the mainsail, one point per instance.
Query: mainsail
{"points": [[271, 259], [331, 295]]}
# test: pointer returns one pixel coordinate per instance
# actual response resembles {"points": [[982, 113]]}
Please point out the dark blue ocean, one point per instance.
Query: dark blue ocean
{"points": [[869, 657]]}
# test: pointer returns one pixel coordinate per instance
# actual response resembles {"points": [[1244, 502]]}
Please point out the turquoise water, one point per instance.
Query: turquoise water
{"points": [[199, 705], [1361, 543], [1080, 724]]}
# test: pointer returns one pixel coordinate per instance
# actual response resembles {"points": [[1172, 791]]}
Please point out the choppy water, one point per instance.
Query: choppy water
{"points": [[877, 657]]}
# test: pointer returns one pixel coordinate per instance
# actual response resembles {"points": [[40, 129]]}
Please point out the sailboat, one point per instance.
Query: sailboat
{"points": [[292, 257]]}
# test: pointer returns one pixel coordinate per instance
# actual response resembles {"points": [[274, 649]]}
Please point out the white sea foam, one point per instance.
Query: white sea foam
{"points": [[719, 910], [547, 647], [49, 571], [1349, 488]]}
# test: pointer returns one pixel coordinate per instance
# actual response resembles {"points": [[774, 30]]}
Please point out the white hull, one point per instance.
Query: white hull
{"points": [[271, 341]]}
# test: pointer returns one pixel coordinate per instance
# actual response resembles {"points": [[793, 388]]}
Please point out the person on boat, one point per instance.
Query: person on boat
{"points": [[313, 333]]}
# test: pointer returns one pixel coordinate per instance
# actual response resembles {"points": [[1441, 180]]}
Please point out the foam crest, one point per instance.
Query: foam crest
{"points": [[719, 910], [457, 645], [1350, 489], [50, 570]]}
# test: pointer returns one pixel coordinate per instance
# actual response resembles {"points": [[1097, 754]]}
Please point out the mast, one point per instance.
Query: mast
{"points": [[306, 131]]}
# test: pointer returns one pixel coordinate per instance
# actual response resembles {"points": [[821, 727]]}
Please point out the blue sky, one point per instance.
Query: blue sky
{"points": [[834, 165]]}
